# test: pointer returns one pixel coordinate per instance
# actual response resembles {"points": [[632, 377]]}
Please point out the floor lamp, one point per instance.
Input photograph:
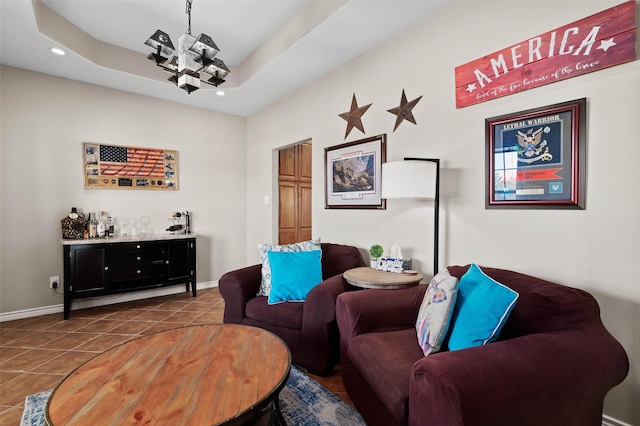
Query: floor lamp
{"points": [[417, 178]]}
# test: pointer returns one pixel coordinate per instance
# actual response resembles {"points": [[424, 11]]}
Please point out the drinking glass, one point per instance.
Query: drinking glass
{"points": [[123, 225], [145, 221], [133, 223]]}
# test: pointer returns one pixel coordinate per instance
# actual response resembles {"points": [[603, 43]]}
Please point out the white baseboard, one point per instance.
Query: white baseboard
{"points": [[101, 301], [610, 421]]}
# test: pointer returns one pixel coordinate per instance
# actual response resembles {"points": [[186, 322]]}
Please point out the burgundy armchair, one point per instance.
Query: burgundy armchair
{"points": [[309, 328], [553, 363]]}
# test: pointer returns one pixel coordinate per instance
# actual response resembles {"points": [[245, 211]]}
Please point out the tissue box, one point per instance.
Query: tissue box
{"points": [[391, 264]]}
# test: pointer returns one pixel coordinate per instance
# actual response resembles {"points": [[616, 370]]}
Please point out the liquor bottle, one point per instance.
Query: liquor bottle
{"points": [[74, 213], [93, 225], [110, 227], [101, 228]]}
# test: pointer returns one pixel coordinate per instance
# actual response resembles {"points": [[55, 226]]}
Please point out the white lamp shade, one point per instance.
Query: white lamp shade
{"points": [[409, 179]]}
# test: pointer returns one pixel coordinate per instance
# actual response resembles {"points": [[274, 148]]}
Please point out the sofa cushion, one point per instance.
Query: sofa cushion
{"points": [[434, 315], [481, 310], [384, 359], [264, 249], [287, 315], [293, 275]]}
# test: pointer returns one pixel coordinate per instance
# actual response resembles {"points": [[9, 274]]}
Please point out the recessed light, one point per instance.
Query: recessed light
{"points": [[220, 93], [58, 51]]}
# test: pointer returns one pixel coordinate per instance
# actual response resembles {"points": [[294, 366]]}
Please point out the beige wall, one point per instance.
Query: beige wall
{"points": [[596, 249], [44, 122]]}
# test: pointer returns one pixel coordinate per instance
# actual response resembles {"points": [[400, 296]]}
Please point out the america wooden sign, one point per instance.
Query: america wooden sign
{"points": [[602, 40]]}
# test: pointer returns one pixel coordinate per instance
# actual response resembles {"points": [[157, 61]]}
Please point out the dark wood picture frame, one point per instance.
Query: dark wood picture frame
{"points": [[353, 174], [536, 159]]}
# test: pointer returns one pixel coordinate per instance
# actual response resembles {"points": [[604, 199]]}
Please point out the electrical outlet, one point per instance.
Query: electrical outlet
{"points": [[54, 282]]}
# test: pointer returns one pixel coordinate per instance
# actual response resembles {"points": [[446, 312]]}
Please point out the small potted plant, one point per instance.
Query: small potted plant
{"points": [[376, 251]]}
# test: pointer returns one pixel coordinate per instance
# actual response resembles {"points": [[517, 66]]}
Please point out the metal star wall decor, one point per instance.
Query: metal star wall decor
{"points": [[354, 116], [403, 112]]}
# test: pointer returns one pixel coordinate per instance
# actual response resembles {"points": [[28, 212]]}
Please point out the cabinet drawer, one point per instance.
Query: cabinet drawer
{"points": [[135, 247], [131, 272], [119, 258]]}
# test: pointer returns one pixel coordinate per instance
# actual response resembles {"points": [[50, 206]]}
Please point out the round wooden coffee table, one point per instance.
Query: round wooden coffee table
{"points": [[372, 278], [198, 375]]}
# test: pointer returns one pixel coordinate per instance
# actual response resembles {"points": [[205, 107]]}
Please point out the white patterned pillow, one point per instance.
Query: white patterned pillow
{"points": [[264, 249], [435, 312]]}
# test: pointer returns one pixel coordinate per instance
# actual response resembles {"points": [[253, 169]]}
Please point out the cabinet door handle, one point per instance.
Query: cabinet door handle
{"points": [[138, 271], [167, 262], [138, 258], [106, 268], [138, 246]]}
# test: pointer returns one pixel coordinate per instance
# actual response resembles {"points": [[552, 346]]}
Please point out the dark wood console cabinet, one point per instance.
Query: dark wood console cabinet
{"points": [[104, 267]]}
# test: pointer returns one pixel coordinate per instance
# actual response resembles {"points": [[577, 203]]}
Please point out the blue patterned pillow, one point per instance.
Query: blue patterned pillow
{"points": [[264, 249], [435, 311], [482, 308]]}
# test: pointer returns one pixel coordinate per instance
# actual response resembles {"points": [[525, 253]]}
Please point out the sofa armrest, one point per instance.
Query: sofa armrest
{"points": [[237, 288], [372, 310], [550, 379], [320, 304]]}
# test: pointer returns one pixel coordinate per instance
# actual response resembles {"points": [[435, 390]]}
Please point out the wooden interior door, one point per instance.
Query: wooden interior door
{"points": [[294, 192]]}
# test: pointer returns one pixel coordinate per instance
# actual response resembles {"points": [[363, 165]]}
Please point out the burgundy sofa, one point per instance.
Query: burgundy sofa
{"points": [[553, 363], [309, 329]]}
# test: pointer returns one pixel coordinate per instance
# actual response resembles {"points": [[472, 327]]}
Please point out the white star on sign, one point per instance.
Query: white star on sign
{"points": [[471, 87], [606, 44]]}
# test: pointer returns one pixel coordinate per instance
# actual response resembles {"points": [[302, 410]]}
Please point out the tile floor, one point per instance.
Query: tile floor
{"points": [[36, 353]]}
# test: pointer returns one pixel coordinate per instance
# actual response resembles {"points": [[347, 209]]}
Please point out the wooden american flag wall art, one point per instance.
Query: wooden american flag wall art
{"points": [[599, 41], [126, 167]]}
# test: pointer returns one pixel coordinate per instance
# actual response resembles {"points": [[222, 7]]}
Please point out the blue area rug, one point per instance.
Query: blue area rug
{"points": [[302, 401], [34, 405]]}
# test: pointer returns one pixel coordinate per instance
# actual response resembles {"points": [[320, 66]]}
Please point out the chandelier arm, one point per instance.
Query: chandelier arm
{"points": [[188, 11]]}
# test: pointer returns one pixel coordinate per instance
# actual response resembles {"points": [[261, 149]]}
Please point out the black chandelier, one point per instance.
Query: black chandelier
{"points": [[195, 56]]}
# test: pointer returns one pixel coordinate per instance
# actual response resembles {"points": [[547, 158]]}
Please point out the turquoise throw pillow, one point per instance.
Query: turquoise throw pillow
{"points": [[481, 310], [293, 275], [264, 249]]}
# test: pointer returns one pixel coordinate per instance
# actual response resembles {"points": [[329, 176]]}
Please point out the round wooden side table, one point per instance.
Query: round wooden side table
{"points": [[365, 277]]}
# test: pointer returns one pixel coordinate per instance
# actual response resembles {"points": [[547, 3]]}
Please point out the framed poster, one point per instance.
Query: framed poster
{"points": [[353, 174], [125, 167], [536, 158]]}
